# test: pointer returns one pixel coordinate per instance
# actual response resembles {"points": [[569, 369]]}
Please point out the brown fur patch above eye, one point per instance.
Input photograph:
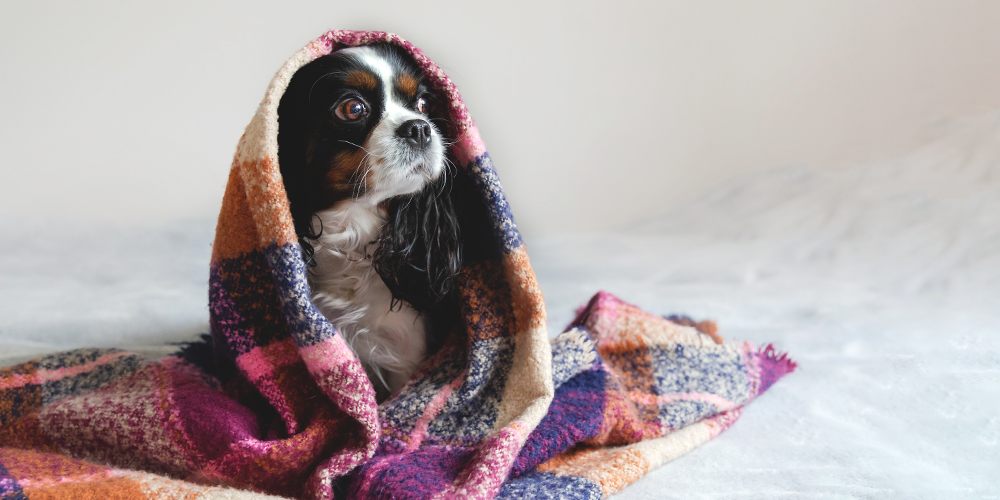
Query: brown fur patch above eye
{"points": [[362, 80], [407, 85]]}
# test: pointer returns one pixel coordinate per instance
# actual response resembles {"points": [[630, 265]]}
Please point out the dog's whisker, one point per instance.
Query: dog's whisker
{"points": [[363, 181], [355, 145]]}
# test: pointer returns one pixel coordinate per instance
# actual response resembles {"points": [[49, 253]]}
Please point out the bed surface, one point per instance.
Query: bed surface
{"points": [[882, 281]]}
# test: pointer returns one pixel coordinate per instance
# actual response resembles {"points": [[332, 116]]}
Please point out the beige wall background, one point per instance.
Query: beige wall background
{"points": [[597, 114]]}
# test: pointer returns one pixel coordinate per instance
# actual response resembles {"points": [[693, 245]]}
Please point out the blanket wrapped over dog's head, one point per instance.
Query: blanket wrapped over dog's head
{"points": [[274, 401], [492, 383]]}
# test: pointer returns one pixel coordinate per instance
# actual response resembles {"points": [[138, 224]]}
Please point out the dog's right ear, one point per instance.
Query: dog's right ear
{"points": [[295, 129]]}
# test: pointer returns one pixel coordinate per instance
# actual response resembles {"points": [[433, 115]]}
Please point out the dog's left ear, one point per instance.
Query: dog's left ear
{"points": [[419, 252]]}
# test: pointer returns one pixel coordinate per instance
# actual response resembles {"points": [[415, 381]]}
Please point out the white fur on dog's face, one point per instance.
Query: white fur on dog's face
{"points": [[391, 166]]}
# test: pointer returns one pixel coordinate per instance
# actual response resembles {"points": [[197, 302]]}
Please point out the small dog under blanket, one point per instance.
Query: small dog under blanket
{"points": [[276, 402], [365, 171]]}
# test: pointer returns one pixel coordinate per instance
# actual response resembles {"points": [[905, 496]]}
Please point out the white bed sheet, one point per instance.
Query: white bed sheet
{"points": [[881, 281]]}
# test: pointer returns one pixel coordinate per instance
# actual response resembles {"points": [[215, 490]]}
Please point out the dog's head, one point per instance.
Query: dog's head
{"points": [[359, 125], [355, 125]]}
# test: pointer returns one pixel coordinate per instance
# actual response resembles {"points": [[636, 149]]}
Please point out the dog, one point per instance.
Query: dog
{"points": [[362, 154]]}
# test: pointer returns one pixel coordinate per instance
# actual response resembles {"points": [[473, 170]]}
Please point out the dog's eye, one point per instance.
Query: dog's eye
{"points": [[351, 110], [422, 105]]}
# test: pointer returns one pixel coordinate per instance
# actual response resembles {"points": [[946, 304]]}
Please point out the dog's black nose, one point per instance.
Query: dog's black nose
{"points": [[417, 132]]}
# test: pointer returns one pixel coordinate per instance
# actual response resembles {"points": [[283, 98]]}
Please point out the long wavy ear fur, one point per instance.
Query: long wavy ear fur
{"points": [[419, 252]]}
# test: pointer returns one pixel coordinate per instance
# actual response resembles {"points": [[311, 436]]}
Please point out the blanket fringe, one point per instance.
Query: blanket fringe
{"points": [[773, 366]]}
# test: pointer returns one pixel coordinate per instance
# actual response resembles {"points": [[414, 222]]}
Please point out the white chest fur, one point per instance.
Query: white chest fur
{"points": [[348, 291]]}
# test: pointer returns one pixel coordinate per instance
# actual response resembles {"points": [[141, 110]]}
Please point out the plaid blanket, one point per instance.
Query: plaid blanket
{"points": [[274, 402]]}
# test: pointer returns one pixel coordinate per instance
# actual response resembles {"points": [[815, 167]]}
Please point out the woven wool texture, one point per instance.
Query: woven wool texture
{"points": [[275, 403]]}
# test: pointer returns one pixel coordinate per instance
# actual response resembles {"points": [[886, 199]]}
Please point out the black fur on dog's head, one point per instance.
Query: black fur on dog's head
{"points": [[353, 128]]}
